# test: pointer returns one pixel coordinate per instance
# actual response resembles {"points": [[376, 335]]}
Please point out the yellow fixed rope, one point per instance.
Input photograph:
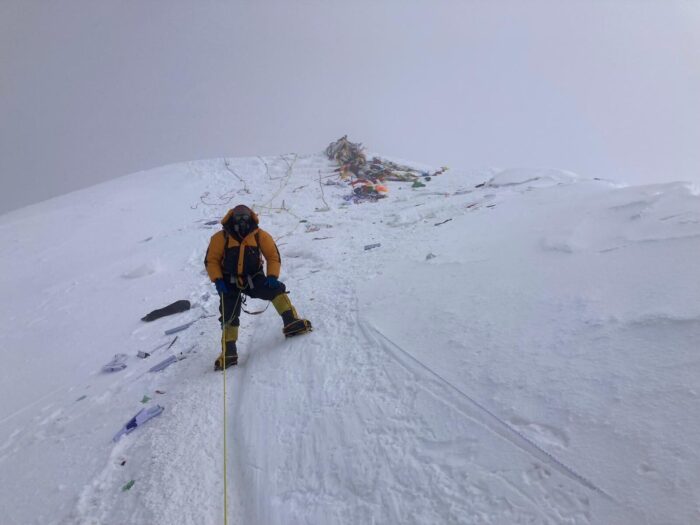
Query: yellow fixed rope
{"points": [[223, 353]]}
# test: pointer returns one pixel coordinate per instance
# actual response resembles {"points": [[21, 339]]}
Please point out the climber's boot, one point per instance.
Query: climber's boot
{"points": [[230, 356], [293, 324]]}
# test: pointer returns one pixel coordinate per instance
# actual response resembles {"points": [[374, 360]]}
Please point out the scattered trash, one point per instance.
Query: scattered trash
{"points": [[211, 223], [320, 238], [372, 246], [185, 326], [491, 206], [417, 184], [117, 363], [160, 392], [144, 355], [316, 227], [173, 308], [122, 462], [145, 399], [128, 485], [366, 192], [141, 417], [430, 256], [180, 328], [165, 363], [443, 222], [81, 398], [367, 177]]}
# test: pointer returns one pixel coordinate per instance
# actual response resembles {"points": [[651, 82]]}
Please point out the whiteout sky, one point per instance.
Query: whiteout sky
{"points": [[93, 90]]}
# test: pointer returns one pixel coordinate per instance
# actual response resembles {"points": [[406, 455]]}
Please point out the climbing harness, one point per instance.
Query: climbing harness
{"points": [[257, 312]]}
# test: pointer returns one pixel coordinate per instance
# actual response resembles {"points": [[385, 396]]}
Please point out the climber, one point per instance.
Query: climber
{"points": [[235, 266]]}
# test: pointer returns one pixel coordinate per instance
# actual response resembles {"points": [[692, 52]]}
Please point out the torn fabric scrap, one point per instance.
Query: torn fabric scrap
{"points": [[143, 415]]}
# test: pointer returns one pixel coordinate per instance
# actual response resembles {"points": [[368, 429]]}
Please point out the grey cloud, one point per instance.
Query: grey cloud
{"points": [[93, 90]]}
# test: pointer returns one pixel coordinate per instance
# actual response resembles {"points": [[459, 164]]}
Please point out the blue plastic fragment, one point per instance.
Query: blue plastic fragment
{"points": [[143, 415]]}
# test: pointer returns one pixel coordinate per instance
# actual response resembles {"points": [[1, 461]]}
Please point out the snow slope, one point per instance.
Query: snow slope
{"points": [[519, 352]]}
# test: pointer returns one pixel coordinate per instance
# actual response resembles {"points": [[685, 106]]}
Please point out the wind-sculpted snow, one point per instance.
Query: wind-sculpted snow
{"points": [[520, 347], [530, 178]]}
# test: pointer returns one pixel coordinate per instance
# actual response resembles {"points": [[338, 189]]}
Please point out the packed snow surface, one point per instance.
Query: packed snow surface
{"points": [[520, 348]]}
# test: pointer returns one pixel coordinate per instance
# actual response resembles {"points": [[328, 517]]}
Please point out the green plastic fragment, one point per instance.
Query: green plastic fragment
{"points": [[418, 184], [128, 485], [145, 399]]}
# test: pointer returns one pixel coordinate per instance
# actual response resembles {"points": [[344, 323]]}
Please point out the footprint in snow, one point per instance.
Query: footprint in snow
{"points": [[141, 271]]}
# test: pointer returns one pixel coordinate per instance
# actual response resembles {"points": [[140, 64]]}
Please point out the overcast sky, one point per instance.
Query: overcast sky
{"points": [[91, 90]]}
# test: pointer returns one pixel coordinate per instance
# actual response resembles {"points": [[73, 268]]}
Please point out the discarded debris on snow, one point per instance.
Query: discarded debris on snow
{"points": [[117, 363], [173, 308], [368, 177], [142, 416]]}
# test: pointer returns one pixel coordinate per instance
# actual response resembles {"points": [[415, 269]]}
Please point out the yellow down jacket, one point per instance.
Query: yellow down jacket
{"points": [[229, 255]]}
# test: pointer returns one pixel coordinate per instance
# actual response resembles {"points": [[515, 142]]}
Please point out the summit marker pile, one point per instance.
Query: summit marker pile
{"points": [[367, 177]]}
